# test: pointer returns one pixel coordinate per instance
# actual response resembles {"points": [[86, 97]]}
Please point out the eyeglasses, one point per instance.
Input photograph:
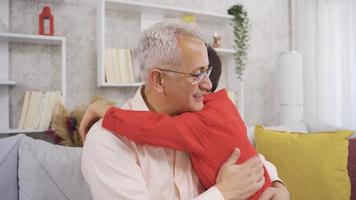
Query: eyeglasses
{"points": [[197, 78]]}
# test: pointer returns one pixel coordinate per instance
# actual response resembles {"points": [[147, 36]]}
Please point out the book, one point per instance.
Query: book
{"points": [[118, 76], [38, 109], [109, 65], [25, 109], [126, 65], [123, 64], [137, 71], [44, 110], [33, 107], [130, 66], [53, 101], [118, 66]]}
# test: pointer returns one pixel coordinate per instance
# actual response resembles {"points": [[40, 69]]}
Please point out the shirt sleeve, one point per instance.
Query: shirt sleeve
{"points": [[271, 169], [113, 177], [184, 132]]}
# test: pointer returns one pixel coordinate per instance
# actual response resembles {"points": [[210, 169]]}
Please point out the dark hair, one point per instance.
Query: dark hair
{"points": [[215, 63]]}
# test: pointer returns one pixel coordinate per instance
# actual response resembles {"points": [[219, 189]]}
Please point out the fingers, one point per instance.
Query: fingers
{"points": [[255, 166], [255, 186], [233, 157], [261, 178], [241, 180], [260, 183], [253, 162], [256, 177], [256, 182], [259, 170], [278, 184], [267, 194]]}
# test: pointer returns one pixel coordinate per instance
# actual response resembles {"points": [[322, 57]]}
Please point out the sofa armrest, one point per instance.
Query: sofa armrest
{"points": [[8, 166]]}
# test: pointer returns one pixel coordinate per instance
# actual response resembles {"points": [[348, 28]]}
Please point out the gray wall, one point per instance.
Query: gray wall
{"points": [[38, 66]]}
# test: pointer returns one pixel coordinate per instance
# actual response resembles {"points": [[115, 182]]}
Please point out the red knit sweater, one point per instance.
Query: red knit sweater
{"points": [[209, 135]]}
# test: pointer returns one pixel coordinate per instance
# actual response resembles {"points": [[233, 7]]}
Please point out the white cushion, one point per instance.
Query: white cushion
{"points": [[298, 126], [321, 127]]}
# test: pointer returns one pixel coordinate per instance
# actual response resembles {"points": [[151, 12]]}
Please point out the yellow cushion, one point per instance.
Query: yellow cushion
{"points": [[313, 166]]}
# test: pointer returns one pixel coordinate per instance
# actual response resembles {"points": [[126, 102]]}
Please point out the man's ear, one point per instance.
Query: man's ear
{"points": [[157, 80]]}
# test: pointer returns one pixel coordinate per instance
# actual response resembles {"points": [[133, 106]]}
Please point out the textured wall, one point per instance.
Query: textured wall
{"points": [[38, 66]]}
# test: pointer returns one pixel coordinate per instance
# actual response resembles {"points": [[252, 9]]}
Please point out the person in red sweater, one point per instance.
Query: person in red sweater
{"points": [[209, 135]]}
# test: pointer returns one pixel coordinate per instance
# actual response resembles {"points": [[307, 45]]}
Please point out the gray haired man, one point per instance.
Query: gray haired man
{"points": [[116, 168]]}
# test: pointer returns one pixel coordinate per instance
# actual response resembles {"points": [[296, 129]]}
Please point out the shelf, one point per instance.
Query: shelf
{"points": [[49, 1], [149, 13], [40, 39], [135, 84], [166, 11], [15, 131], [31, 38], [6, 82], [6, 38]]}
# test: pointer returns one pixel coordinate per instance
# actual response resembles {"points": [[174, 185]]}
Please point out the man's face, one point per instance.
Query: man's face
{"points": [[182, 94]]}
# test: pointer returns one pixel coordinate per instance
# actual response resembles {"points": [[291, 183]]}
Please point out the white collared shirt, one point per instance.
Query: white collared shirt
{"points": [[116, 168]]}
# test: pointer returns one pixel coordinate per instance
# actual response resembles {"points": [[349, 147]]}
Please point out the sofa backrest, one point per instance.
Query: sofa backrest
{"points": [[320, 127], [48, 171]]}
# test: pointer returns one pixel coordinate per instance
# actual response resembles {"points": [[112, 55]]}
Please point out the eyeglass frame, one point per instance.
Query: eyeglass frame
{"points": [[199, 77]]}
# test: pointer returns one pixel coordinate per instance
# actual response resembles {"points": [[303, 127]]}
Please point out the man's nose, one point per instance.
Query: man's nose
{"points": [[206, 84]]}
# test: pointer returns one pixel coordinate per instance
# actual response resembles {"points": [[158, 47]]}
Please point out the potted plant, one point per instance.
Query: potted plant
{"points": [[241, 27]]}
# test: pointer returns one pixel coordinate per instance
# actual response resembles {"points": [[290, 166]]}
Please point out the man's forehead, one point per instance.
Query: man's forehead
{"points": [[194, 54]]}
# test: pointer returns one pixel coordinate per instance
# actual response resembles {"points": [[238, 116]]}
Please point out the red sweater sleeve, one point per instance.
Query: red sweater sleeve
{"points": [[183, 132]]}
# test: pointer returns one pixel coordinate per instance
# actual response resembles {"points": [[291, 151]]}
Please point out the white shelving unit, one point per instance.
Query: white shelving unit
{"points": [[166, 11], [29, 38], [135, 84], [150, 14], [49, 1], [5, 83], [39, 39], [5, 38]]}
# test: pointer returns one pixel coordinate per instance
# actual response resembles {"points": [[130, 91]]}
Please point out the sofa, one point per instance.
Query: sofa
{"points": [[32, 169]]}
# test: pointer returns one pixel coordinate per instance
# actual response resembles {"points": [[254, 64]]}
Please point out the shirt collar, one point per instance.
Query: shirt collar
{"points": [[137, 102]]}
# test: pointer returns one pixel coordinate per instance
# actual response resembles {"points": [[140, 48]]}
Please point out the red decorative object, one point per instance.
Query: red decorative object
{"points": [[46, 25]]}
